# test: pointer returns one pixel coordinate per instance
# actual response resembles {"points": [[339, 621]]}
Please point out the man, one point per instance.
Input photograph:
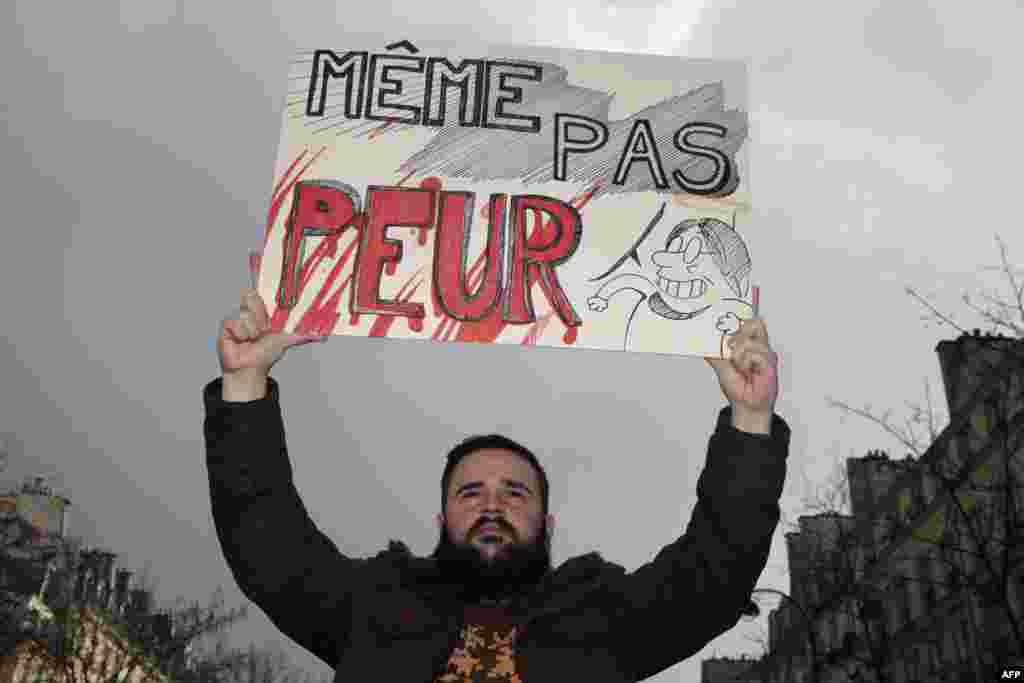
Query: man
{"points": [[487, 606]]}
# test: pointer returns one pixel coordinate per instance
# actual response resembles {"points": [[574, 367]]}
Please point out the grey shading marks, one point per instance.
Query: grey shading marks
{"points": [[701, 257], [485, 154]]}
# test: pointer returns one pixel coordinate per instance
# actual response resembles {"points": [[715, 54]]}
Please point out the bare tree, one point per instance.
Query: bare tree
{"points": [[972, 520], [1000, 313]]}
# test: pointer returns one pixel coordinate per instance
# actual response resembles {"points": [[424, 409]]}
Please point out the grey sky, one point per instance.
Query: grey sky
{"points": [[137, 165]]}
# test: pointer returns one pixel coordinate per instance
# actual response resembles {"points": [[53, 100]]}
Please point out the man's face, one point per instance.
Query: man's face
{"points": [[493, 525]]}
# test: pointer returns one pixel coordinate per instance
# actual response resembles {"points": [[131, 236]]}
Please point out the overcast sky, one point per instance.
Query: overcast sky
{"points": [[137, 165]]}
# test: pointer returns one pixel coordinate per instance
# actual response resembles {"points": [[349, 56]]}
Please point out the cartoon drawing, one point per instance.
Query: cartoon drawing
{"points": [[700, 278]]}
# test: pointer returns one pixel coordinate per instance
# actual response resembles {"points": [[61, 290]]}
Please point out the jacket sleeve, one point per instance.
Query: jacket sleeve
{"points": [[696, 588], [280, 560]]}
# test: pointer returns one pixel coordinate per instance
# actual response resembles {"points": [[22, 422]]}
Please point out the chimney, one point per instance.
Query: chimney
{"points": [[124, 576], [799, 566], [80, 570], [968, 361], [88, 576], [105, 573], [870, 479], [140, 602], [42, 508]]}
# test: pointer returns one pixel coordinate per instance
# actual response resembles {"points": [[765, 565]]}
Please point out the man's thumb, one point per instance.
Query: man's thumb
{"points": [[279, 342], [716, 363], [296, 339]]}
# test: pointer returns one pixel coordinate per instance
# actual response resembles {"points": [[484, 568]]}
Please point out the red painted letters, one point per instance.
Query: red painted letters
{"points": [[323, 208]]}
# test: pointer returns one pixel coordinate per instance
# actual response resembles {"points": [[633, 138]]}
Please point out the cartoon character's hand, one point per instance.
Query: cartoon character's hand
{"points": [[597, 303], [728, 323]]}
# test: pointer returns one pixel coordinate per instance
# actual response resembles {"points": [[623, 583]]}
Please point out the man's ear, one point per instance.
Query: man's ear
{"points": [[551, 526], [440, 521]]}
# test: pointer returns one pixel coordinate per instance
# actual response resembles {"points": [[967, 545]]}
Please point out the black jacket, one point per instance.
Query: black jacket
{"points": [[392, 618]]}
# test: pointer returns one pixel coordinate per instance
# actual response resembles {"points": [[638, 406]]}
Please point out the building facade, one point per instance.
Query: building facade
{"points": [[923, 580]]}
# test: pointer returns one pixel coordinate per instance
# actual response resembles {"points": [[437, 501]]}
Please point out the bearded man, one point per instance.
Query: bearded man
{"points": [[487, 606]]}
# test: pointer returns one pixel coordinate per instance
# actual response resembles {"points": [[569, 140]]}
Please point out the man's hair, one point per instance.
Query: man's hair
{"points": [[477, 443]]}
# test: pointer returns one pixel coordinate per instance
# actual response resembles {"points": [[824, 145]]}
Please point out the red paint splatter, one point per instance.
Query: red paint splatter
{"points": [[570, 335], [275, 196], [405, 178], [537, 329], [383, 323], [278, 318], [432, 183], [282, 192], [320, 316], [440, 328], [580, 202]]}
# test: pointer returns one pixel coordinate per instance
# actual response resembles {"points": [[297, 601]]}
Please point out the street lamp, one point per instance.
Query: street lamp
{"points": [[753, 610]]}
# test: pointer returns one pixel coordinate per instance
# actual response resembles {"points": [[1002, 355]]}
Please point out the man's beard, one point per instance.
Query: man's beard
{"points": [[515, 568]]}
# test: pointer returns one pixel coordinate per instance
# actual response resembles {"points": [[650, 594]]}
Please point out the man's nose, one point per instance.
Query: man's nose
{"points": [[492, 502]]}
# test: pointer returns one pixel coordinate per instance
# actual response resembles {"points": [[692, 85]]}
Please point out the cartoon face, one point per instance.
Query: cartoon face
{"points": [[687, 273]]}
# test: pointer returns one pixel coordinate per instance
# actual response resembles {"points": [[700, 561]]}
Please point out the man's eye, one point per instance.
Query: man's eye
{"points": [[467, 494]]}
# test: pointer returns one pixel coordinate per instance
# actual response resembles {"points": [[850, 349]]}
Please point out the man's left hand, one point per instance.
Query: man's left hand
{"points": [[749, 378]]}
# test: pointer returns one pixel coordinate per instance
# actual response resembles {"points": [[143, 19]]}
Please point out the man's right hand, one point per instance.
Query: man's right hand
{"points": [[247, 349]]}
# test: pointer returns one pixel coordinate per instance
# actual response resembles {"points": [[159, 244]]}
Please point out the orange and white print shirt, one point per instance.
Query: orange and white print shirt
{"points": [[485, 651]]}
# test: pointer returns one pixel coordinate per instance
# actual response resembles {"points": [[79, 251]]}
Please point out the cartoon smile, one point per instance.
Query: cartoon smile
{"points": [[682, 289]]}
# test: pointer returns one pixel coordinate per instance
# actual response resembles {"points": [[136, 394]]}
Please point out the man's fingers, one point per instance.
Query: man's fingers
{"points": [[754, 328], [235, 330], [725, 368], [253, 303], [248, 323], [742, 345], [751, 359], [740, 361]]}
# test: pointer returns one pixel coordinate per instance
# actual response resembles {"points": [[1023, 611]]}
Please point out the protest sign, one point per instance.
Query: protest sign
{"points": [[510, 195]]}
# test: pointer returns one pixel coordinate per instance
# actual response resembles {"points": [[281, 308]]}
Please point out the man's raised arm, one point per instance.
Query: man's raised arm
{"points": [[280, 560], [696, 587]]}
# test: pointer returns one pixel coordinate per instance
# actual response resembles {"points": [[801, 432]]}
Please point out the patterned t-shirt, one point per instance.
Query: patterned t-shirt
{"points": [[485, 652]]}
